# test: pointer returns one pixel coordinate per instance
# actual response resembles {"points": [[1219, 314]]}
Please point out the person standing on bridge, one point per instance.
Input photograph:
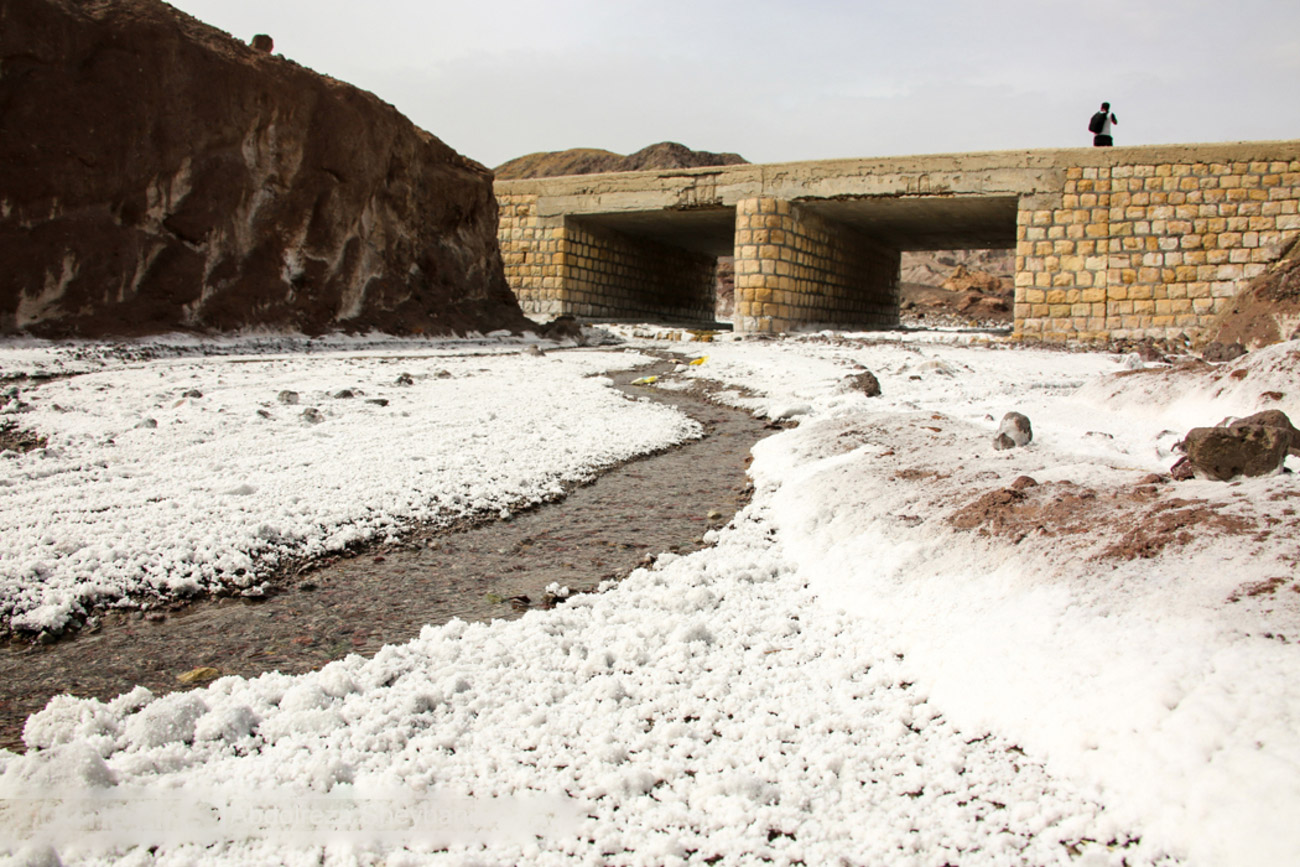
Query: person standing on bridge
{"points": [[1100, 126]]}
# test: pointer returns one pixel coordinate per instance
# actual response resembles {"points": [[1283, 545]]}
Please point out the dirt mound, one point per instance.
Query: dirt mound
{"points": [[161, 175], [585, 161], [1266, 311]]}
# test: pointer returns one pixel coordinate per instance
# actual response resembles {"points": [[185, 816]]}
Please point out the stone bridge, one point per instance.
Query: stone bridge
{"points": [[1118, 242]]}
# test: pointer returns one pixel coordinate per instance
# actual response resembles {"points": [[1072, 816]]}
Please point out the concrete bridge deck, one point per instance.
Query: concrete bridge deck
{"points": [[1130, 241]]}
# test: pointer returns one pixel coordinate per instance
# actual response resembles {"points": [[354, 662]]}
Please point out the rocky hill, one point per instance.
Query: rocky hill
{"points": [[957, 288], [585, 161], [157, 174]]}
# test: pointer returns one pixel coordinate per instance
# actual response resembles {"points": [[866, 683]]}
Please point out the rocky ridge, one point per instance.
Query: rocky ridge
{"points": [[585, 161]]}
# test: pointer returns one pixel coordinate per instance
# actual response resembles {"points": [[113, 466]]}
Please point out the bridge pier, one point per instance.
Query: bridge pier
{"points": [[797, 270]]}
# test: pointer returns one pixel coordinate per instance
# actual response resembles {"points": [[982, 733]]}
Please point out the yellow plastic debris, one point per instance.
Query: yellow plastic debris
{"points": [[202, 674], [700, 360], [646, 380]]}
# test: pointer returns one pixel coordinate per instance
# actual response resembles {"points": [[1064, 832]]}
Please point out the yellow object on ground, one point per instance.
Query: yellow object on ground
{"points": [[202, 674]]}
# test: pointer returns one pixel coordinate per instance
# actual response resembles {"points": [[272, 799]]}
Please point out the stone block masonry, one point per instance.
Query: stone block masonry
{"points": [[1149, 248], [529, 245], [796, 270], [1122, 242], [562, 265]]}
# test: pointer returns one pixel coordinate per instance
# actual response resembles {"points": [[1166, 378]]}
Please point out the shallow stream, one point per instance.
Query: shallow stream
{"points": [[386, 593]]}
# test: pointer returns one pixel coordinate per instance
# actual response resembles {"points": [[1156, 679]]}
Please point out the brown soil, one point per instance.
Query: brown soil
{"points": [[385, 594], [1266, 310], [1142, 519]]}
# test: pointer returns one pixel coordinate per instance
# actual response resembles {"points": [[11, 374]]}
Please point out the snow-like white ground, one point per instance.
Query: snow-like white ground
{"points": [[179, 475], [844, 677]]}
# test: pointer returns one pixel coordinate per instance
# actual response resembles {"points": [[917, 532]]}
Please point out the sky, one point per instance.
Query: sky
{"points": [[782, 81]]}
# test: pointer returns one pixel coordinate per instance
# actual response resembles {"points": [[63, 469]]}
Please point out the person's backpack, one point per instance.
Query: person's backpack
{"points": [[1098, 123]]}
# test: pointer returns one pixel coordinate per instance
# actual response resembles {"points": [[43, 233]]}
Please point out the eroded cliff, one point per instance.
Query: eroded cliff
{"points": [[156, 173]]}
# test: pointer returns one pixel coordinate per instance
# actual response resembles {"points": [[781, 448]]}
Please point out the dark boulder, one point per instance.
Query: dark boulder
{"points": [[1273, 418], [1223, 453]]}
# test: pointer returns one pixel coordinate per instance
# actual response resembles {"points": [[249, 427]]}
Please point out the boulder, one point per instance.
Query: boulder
{"points": [[158, 174], [1223, 453], [1273, 418]]}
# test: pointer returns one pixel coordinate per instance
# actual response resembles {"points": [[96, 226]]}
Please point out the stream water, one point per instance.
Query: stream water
{"points": [[386, 593]]}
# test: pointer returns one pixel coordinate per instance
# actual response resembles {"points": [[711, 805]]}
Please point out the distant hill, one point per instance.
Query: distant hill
{"points": [[586, 161]]}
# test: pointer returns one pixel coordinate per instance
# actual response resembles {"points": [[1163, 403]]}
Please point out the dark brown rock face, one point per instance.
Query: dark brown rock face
{"points": [[157, 174]]}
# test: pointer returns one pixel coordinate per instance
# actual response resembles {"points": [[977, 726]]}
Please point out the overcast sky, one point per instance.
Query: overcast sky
{"points": [[784, 80]]}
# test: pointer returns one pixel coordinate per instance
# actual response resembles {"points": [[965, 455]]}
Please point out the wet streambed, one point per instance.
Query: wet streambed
{"points": [[385, 594]]}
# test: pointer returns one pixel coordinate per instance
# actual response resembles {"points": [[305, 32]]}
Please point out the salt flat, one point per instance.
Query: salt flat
{"points": [[848, 674]]}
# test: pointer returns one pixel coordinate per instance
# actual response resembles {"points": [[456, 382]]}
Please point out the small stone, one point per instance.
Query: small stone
{"points": [[535, 350], [1017, 428], [1002, 442], [378, 401], [1217, 352], [155, 617], [193, 392], [443, 374], [289, 398], [344, 394], [1022, 482], [865, 382], [714, 514], [147, 424], [1181, 471], [307, 586], [405, 379], [264, 413], [311, 415]]}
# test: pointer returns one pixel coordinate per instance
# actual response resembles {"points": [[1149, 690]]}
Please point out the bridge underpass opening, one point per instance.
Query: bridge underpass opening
{"points": [[807, 264], [650, 266], [923, 225]]}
